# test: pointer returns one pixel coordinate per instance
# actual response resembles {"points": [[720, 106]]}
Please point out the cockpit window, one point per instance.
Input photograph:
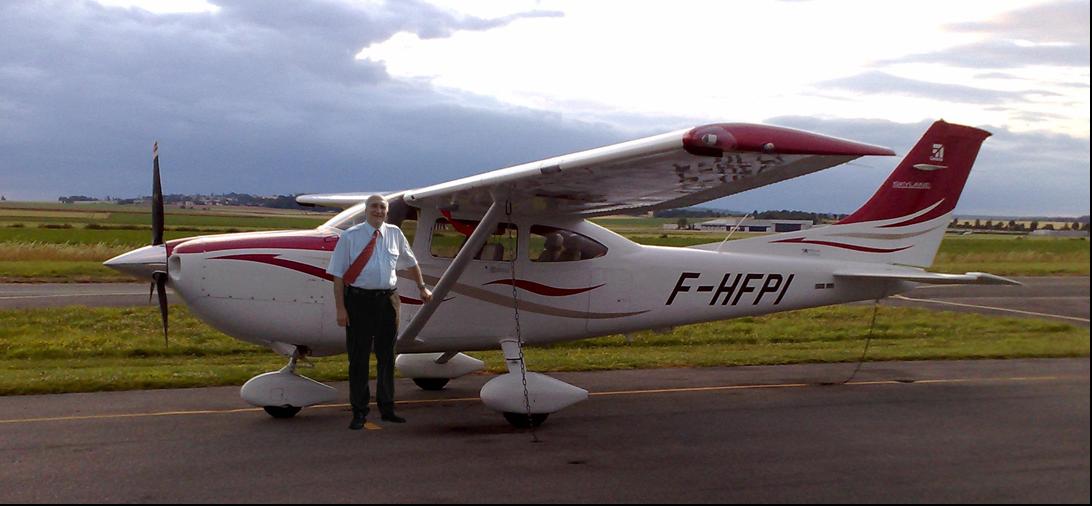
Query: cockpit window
{"points": [[398, 215], [449, 236], [349, 218], [551, 244]]}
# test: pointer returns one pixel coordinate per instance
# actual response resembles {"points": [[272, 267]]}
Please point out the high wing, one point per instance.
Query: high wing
{"points": [[671, 170], [337, 200]]}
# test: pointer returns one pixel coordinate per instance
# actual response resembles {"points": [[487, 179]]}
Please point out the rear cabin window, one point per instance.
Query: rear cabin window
{"points": [[550, 244], [449, 236]]}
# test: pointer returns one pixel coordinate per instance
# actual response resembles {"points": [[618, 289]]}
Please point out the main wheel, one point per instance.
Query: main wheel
{"points": [[431, 383], [282, 411], [520, 420]]}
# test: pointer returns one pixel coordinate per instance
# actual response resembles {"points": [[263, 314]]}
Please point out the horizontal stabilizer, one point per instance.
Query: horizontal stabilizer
{"points": [[932, 278]]}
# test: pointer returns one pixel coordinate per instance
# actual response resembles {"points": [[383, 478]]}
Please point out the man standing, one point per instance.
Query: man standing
{"points": [[363, 266]]}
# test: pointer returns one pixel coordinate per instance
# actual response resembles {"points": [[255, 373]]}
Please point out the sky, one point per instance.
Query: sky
{"points": [[319, 96]]}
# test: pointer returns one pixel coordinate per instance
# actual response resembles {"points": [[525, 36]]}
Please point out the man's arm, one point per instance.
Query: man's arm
{"points": [[426, 294], [339, 302]]}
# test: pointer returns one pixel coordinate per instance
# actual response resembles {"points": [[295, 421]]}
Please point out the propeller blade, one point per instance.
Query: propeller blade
{"points": [[161, 287], [157, 198]]}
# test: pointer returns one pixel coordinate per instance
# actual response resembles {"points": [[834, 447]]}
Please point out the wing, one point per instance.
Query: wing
{"points": [[671, 170], [337, 200]]}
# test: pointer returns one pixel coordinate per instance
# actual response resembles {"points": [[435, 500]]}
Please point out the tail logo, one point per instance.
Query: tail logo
{"points": [[938, 153]]}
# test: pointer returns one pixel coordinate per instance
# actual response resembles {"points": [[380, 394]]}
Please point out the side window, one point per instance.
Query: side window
{"points": [[409, 229], [549, 244], [449, 236]]}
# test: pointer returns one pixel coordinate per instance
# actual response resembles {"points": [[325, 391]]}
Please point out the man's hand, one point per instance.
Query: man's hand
{"points": [[342, 317], [426, 294]]}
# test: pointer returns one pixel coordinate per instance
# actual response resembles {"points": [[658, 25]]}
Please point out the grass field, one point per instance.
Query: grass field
{"points": [[58, 243], [80, 349]]}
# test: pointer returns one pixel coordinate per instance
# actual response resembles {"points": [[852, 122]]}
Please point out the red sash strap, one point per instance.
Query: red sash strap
{"points": [[361, 260]]}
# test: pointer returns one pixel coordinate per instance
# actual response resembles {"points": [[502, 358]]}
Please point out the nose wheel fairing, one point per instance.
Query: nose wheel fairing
{"points": [[282, 392]]}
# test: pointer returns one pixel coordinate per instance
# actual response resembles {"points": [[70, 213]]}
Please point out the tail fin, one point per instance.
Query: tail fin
{"points": [[929, 179], [904, 222]]}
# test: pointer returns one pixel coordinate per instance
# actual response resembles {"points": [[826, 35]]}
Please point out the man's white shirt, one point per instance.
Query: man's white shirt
{"points": [[392, 252]]}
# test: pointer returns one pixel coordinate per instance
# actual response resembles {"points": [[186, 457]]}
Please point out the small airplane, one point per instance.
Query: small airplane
{"points": [[514, 260]]}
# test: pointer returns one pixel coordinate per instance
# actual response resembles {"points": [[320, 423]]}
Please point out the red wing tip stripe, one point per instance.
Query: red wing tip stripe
{"points": [[541, 289], [853, 247]]}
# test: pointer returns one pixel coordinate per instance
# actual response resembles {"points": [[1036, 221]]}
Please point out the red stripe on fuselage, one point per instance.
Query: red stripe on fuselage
{"points": [[541, 289], [312, 240], [801, 240], [272, 259]]}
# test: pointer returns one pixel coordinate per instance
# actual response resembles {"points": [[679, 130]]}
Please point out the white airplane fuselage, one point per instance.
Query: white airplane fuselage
{"points": [[271, 289]]}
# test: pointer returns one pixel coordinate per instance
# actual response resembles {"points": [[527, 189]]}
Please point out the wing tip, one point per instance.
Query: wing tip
{"points": [[717, 138]]}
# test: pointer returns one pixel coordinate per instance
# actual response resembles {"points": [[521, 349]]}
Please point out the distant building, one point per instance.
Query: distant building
{"points": [[752, 225]]}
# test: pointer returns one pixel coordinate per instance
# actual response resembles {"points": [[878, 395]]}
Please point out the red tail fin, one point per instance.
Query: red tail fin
{"points": [[931, 177]]}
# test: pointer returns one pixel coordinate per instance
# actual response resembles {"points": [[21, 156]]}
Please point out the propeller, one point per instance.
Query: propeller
{"points": [[159, 278]]}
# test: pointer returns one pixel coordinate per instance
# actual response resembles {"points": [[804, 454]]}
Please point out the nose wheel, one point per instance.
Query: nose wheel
{"points": [[284, 393], [431, 384]]}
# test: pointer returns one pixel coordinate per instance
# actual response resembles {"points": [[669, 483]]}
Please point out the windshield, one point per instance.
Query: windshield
{"points": [[352, 216]]}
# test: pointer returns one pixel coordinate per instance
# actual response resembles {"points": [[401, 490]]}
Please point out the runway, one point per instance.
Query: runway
{"points": [[963, 431], [34, 295], [1059, 298]]}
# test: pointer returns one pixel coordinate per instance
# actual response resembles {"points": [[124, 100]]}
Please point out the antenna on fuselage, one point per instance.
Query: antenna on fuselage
{"points": [[730, 232]]}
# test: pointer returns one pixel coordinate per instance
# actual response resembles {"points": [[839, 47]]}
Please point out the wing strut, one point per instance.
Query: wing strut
{"points": [[451, 275]]}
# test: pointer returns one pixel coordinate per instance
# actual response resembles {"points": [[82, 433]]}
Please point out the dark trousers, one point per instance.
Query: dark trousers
{"points": [[373, 322]]}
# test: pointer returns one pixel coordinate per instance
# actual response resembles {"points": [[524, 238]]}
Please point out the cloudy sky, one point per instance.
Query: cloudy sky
{"points": [[339, 95]]}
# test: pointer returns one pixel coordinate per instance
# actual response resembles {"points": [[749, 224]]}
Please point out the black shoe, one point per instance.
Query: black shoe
{"points": [[357, 423], [393, 418]]}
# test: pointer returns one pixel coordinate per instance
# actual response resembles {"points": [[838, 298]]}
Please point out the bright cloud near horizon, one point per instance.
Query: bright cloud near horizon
{"points": [[744, 61], [340, 95]]}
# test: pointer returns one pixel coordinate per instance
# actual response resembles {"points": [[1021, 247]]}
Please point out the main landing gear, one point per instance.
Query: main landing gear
{"points": [[284, 393], [526, 399], [432, 371]]}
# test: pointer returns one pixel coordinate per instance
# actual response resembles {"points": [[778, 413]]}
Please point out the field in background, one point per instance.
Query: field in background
{"points": [[67, 243], [80, 349]]}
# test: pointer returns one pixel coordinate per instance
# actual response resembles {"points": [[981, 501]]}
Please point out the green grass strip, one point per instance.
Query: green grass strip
{"points": [[80, 349]]}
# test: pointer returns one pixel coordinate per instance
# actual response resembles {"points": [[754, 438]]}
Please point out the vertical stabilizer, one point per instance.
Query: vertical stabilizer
{"points": [[931, 177], [904, 221]]}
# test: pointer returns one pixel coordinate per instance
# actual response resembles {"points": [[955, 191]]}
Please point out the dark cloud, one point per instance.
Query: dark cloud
{"points": [[1053, 22], [876, 82], [249, 98], [1026, 173], [1002, 54]]}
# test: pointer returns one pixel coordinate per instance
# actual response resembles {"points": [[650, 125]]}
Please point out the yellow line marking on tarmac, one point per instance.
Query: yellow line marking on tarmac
{"points": [[372, 426], [1032, 313]]}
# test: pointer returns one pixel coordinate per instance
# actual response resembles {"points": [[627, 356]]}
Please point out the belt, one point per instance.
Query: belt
{"points": [[369, 293]]}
